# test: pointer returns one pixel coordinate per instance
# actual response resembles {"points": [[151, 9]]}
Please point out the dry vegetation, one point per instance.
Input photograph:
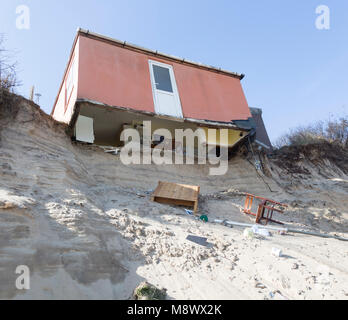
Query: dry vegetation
{"points": [[8, 68], [8, 78], [317, 143], [333, 131]]}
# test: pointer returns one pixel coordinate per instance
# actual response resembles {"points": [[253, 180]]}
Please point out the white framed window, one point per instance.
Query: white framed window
{"points": [[165, 92]]}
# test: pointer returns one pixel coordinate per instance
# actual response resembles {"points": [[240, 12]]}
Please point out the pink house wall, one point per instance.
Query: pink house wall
{"points": [[64, 106], [121, 77]]}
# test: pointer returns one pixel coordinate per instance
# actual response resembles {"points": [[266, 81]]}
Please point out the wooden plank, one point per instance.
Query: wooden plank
{"points": [[176, 191], [177, 194]]}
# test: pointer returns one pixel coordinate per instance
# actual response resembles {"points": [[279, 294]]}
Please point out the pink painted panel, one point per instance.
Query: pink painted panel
{"points": [[120, 77]]}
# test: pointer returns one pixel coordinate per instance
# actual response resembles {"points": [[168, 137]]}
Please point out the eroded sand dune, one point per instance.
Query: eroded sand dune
{"points": [[84, 225]]}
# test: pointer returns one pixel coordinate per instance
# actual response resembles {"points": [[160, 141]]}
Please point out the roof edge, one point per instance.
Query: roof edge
{"points": [[124, 44], [255, 111], [72, 50]]}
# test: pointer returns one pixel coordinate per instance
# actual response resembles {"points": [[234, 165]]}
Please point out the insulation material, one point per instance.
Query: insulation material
{"points": [[230, 140], [84, 129]]}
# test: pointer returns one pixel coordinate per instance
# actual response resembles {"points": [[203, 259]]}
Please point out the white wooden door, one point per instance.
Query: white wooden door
{"points": [[165, 91]]}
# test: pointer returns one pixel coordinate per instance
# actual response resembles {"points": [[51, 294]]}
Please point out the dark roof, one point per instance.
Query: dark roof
{"points": [[261, 132]]}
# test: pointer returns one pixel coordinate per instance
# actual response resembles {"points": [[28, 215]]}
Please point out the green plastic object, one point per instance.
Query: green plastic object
{"points": [[204, 218]]}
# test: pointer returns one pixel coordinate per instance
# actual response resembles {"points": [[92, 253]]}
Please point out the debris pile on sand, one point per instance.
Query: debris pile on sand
{"points": [[86, 227]]}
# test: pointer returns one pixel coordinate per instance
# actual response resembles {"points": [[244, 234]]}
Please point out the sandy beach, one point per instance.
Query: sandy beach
{"points": [[85, 225]]}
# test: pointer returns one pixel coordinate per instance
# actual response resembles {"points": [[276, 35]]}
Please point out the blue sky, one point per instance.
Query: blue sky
{"points": [[294, 72]]}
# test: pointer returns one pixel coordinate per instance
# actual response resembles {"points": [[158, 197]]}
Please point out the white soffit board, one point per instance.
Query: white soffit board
{"points": [[84, 129]]}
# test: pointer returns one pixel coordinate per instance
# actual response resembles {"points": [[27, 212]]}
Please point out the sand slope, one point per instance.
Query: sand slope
{"points": [[83, 222]]}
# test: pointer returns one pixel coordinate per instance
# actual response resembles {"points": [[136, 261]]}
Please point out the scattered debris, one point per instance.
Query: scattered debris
{"points": [[177, 194], [255, 230], [276, 252], [261, 231], [260, 285], [280, 230], [278, 295], [295, 266], [199, 240], [95, 207], [204, 218], [228, 223], [147, 291], [189, 212], [265, 209], [248, 233], [111, 150], [316, 234]]}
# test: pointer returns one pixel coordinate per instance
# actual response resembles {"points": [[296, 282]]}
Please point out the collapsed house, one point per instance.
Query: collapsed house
{"points": [[109, 85]]}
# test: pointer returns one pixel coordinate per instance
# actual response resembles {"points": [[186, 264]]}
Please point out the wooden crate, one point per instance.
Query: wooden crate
{"points": [[177, 194]]}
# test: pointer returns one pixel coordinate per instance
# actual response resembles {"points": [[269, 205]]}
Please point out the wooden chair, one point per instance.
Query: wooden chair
{"points": [[265, 209]]}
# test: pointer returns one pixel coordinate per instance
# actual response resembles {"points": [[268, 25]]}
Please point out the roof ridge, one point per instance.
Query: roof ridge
{"points": [[158, 53]]}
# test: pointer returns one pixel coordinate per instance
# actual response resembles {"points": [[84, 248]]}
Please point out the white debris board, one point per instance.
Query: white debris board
{"points": [[84, 129]]}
